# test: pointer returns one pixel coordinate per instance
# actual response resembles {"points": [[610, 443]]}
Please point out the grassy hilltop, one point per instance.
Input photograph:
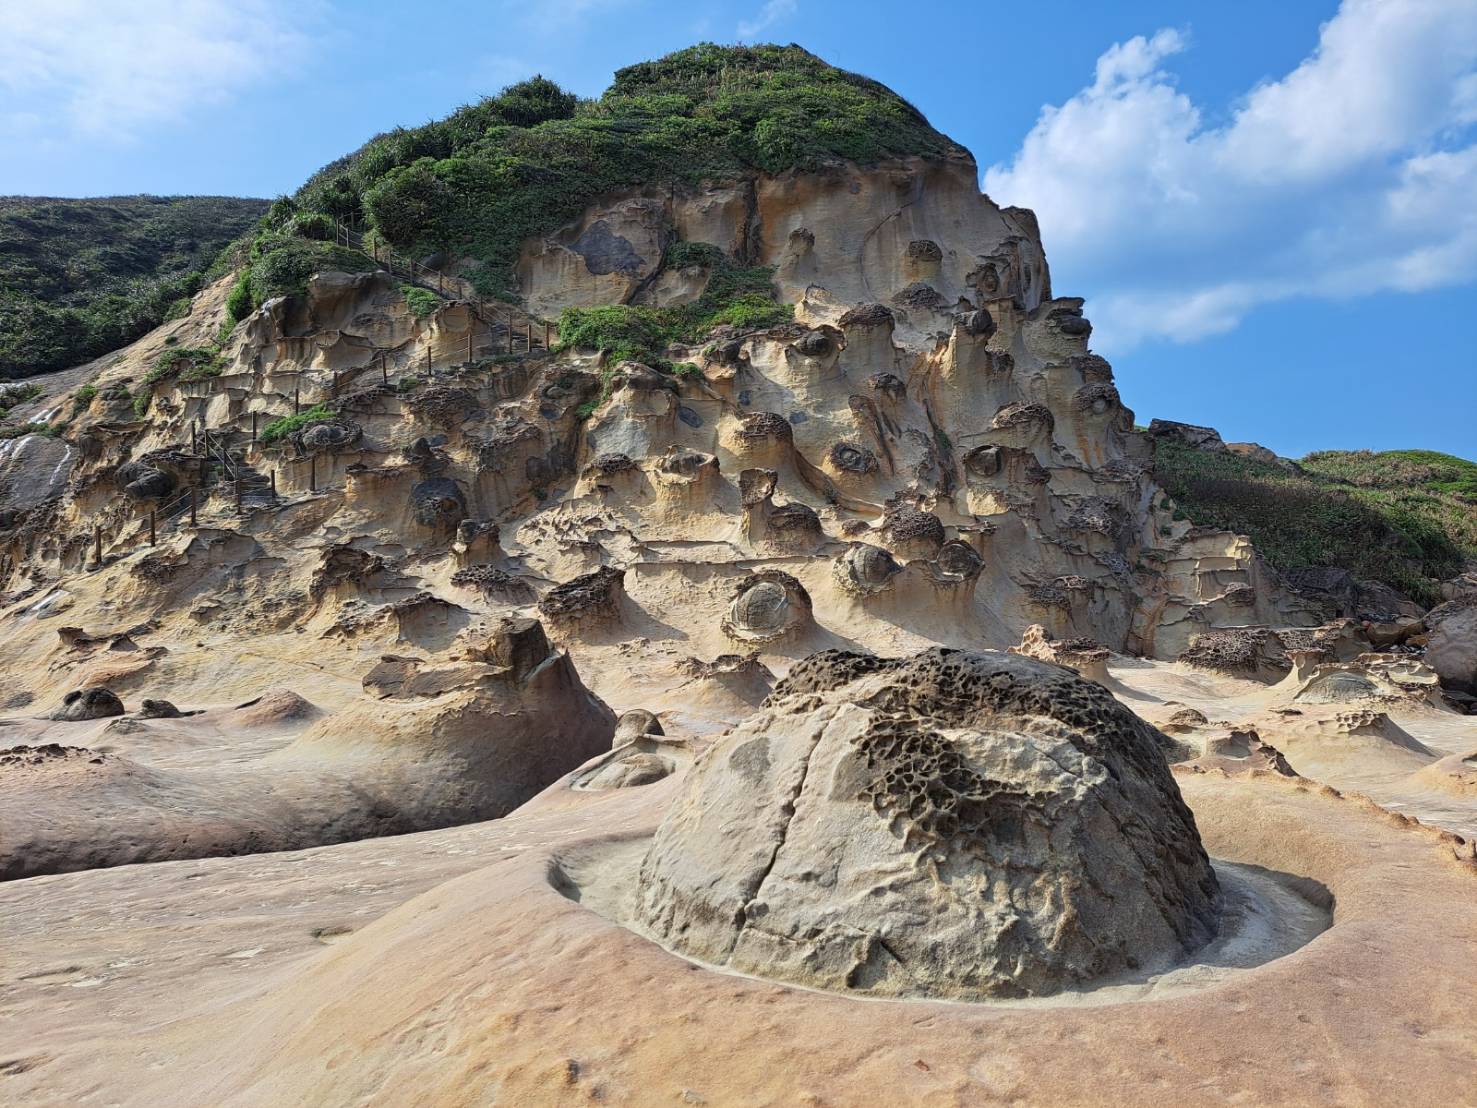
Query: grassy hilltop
{"points": [[79, 278]]}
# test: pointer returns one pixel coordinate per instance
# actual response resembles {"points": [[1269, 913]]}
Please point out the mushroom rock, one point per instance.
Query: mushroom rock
{"points": [[760, 438], [477, 541], [865, 570], [1022, 425], [438, 504], [815, 344], [1083, 656], [590, 599], [91, 703], [953, 825], [159, 709], [144, 482], [793, 528], [868, 329], [978, 324], [326, 437], [767, 606], [687, 479], [956, 562], [1254, 653], [850, 460], [911, 533], [344, 570], [495, 584], [887, 385], [635, 723], [1241, 751]]}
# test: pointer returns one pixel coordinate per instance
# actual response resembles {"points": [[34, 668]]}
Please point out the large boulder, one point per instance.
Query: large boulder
{"points": [[1452, 650], [93, 703], [954, 824]]}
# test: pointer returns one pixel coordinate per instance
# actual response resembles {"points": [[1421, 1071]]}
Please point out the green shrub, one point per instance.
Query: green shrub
{"points": [[281, 265], [11, 395], [187, 363], [279, 429], [239, 304], [317, 226], [141, 404], [421, 302], [179, 309], [1390, 528], [82, 398]]}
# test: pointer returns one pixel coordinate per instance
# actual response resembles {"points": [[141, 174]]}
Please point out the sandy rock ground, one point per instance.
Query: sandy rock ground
{"points": [[459, 966]]}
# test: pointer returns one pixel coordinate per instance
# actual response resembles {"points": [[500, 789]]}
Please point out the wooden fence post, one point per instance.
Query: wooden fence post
{"points": [[297, 397], [253, 426], [194, 503], [384, 367], [312, 472], [194, 437], [97, 544], [274, 483], [153, 531], [528, 334], [546, 334], [238, 495], [471, 326], [428, 354]]}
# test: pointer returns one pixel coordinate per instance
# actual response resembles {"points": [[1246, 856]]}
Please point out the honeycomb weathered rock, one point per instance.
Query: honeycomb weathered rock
{"points": [[952, 824]]}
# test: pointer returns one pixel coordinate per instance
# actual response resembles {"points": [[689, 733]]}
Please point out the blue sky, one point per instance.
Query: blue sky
{"points": [[1269, 206]]}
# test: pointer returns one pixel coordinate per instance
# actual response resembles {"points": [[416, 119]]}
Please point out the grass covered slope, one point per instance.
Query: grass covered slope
{"points": [[1407, 518], [529, 160], [79, 278]]}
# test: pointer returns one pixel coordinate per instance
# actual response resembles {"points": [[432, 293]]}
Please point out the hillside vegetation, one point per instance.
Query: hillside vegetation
{"points": [[1407, 518], [79, 278], [530, 159]]}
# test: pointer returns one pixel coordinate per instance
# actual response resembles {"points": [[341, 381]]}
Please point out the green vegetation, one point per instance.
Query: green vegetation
{"points": [[741, 297], [738, 297], [1425, 470], [186, 363], [279, 429], [421, 302], [81, 277], [533, 157], [19, 430], [11, 395], [1407, 518], [83, 397]]}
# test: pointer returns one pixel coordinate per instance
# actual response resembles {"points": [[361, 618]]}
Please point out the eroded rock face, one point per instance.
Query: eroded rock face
{"points": [[953, 824]]}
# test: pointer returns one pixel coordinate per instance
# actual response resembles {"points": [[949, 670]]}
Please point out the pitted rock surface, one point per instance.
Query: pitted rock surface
{"points": [[954, 824]]}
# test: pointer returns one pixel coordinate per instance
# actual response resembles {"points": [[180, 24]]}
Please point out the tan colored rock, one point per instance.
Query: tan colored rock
{"points": [[809, 843]]}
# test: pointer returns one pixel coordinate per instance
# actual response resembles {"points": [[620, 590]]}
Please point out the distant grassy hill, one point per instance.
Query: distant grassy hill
{"points": [[79, 278], [1407, 518]]}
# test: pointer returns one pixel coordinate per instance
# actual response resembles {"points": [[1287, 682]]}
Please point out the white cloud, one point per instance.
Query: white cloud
{"points": [[111, 70], [1354, 173], [773, 11]]}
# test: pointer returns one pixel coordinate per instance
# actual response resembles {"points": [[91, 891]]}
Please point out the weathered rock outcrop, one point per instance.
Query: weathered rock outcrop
{"points": [[950, 825]]}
